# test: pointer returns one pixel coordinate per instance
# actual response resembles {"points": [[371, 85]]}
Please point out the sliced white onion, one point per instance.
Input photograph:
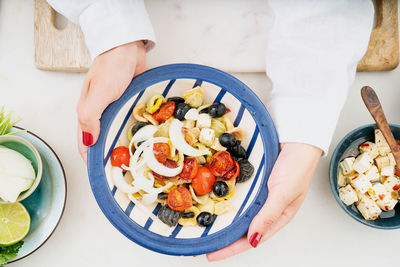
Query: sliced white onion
{"points": [[178, 140], [143, 134], [133, 163], [192, 114], [120, 183], [157, 167], [151, 197]]}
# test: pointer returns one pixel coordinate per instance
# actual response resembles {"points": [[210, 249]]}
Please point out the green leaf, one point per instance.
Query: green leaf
{"points": [[6, 123], [9, 252]]}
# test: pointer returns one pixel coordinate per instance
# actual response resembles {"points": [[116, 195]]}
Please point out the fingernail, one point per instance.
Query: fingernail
{"points": [[255, 239], [87, 138]]}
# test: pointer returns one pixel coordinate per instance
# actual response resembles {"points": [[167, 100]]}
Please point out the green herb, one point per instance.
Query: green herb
{"points": [[6, 122], [9, 252]]}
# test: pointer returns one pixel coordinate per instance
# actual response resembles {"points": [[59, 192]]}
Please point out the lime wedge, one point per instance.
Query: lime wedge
{"points": [[14, 223]]}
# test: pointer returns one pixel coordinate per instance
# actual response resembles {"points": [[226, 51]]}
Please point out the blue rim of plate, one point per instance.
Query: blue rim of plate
{"points": [[334, 185], [65, 196], [182, 246]]}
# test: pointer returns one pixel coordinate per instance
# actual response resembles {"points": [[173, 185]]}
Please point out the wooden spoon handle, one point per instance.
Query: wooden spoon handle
{"points": [[374, 107]]}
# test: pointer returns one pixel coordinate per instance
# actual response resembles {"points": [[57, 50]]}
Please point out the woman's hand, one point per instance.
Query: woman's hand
{"points": [[108, 77], [288, 184]]}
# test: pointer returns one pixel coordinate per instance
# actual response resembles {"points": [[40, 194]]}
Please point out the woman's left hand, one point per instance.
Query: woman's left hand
{"points": [[288, 184]]}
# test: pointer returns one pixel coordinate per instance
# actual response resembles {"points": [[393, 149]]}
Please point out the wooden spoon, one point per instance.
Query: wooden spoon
{"points": [[374, 107]]}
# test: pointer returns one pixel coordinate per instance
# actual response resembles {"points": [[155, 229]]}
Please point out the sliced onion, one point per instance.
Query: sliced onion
{"points": [[178, 140], [143, 134], [120, 183], [133, 163], [157, 167], [151, 197]]}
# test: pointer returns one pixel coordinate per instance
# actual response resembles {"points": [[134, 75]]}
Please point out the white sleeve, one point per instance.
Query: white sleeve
{"points": [[108, 23], [311, 58]]}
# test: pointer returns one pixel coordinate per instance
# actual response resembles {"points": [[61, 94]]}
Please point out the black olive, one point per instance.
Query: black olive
{"points": [[217, 110], [169, 216], [246, 171], [188, 215], [137, 126], [205, 218], [237, 151], [220, 189], [162, 195], [204, 110], [176, 99], [181, 110], [227, 140]]}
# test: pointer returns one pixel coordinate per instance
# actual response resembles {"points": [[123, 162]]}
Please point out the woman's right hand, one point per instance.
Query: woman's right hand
{"points": [[107, 79]]}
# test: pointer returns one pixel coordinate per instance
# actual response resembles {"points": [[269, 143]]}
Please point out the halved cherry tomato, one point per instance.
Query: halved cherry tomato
{"points": [[168, 163], [190, 168], [120, 155], [233, 173], [203, 182], [161, 151], [221, 163], [179, 199], [165, 112]]}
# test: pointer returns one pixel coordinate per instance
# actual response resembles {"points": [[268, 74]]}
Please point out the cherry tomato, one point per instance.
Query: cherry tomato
{"points": [[203, 182], [221, 163], [179, 199], [233, 173], [165, 112], [161, 152], [120, 155], [170, 164], [190, 168]]}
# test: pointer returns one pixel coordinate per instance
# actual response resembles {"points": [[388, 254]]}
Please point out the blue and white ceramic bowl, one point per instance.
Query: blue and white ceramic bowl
{"points": [[261, 142], [348, 147]]}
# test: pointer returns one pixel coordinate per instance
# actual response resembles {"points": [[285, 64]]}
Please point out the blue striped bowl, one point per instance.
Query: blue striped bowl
{"points": [[261, 142]]}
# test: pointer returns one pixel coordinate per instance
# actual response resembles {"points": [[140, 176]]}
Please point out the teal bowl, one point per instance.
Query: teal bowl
{"points": [[46, 204], [24, 147], [348, 147]]}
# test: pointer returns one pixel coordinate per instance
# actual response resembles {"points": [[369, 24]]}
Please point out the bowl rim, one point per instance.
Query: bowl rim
{"points": [[334, 185], [185, 246], [38, 178], [64, 182]]}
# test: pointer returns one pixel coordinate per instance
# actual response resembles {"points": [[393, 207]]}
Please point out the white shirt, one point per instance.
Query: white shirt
{"points": [[312, 54]]}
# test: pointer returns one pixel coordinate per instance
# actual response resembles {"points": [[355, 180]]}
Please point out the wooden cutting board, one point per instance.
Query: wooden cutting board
{"points": [[65, 50]]}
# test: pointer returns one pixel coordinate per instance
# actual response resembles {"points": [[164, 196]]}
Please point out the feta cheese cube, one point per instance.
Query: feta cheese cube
{"points": [[377, 191], [207, 136], [370, 148], [348, 195], [203, 121], [372, 174], [192, 114], [362, 163], [188, 124], [392, 161], [361, 183], [386, 202], [382, 162], [368, 208], [347, 165], [387, 171], [341, 179], [380, 141], [392, 183]]}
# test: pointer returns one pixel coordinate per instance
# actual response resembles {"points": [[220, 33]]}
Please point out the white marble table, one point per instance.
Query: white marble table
{"points": [[320, 235]]}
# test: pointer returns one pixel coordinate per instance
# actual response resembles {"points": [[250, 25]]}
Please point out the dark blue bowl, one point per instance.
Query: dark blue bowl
{"points": [[347, 147]]}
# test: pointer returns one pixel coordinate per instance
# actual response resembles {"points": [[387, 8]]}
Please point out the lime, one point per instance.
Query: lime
{"points": [[14, 223]]}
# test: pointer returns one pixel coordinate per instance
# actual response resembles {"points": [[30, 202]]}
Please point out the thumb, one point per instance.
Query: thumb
{"points": [[267, 221], [90, 108]]}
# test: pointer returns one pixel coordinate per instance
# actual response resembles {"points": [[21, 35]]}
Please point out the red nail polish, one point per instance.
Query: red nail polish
{"points": [[87, 138], [255, 239]]}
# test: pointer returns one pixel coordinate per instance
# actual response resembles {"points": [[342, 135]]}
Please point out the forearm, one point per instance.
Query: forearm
{"points": [[311, 58], [109, 23]]}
